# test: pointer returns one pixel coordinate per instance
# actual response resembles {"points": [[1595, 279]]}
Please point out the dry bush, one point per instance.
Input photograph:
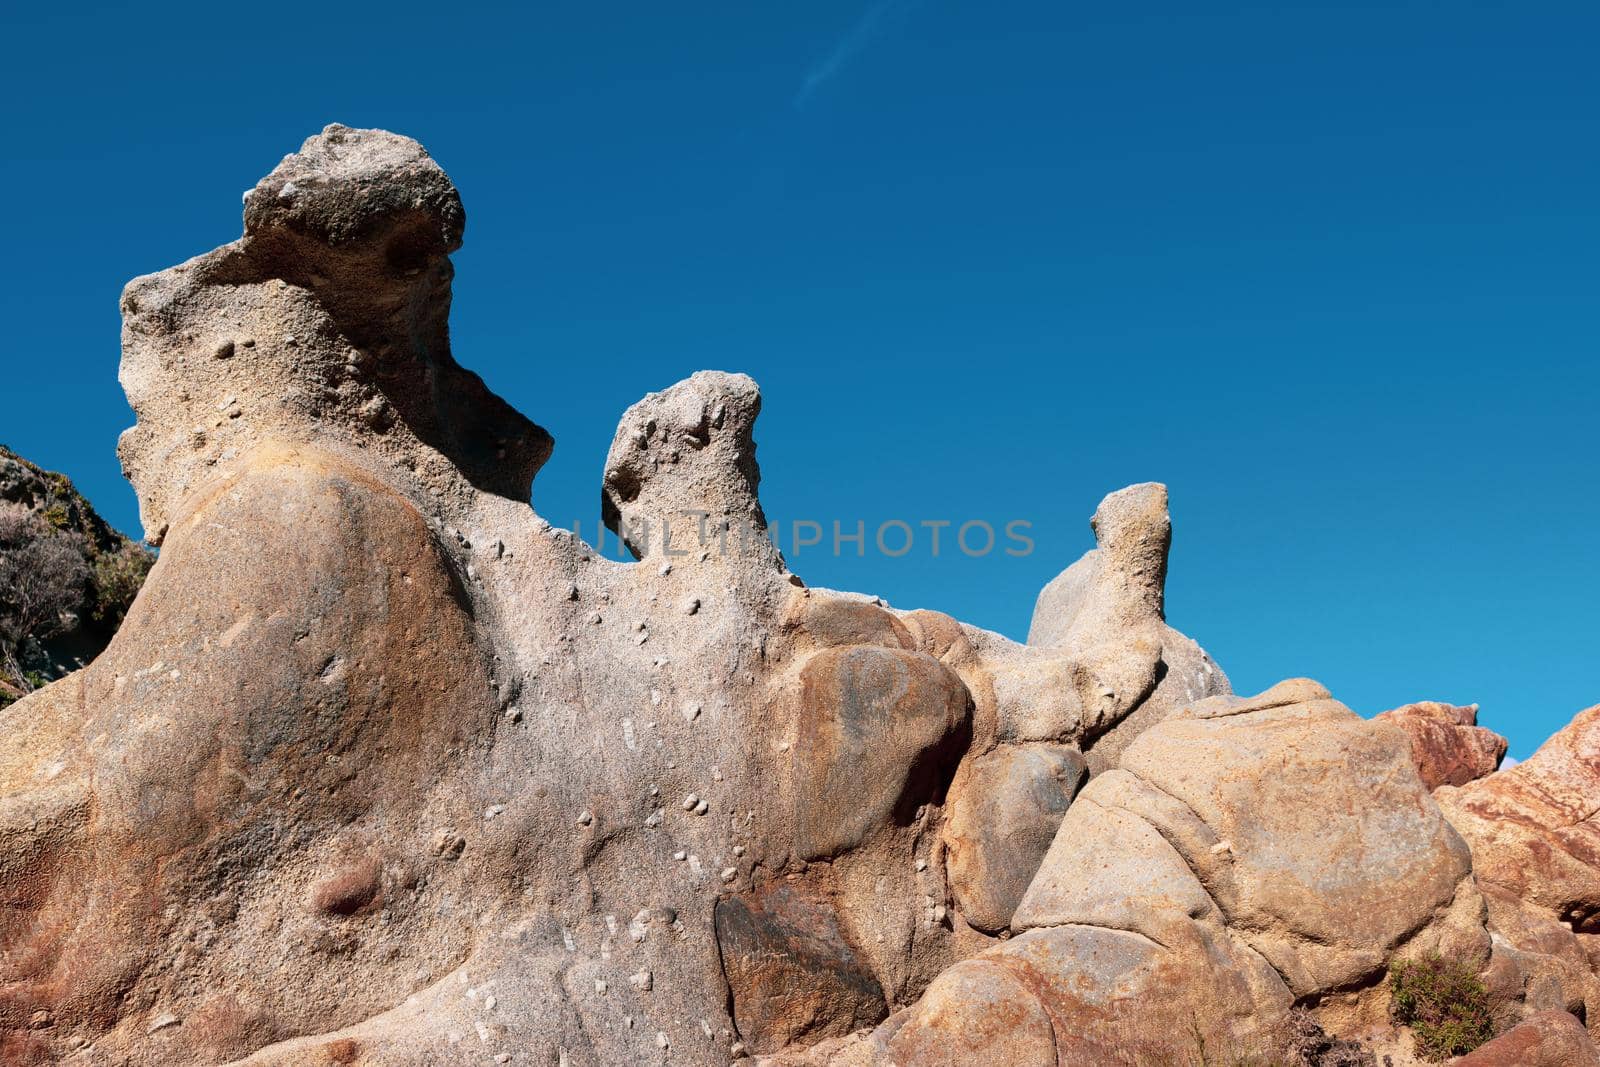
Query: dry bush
{"points": [[115, 579], [43, 575]]}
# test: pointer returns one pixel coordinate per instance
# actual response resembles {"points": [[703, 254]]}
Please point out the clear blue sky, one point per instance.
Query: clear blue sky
{"points": [[1331, 272]]}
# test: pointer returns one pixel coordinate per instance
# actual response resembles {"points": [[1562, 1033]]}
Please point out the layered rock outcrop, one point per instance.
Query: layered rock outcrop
{"points": [[384, 769], [1535, 838]]}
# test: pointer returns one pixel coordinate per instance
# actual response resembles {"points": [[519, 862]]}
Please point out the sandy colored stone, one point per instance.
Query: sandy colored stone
{"points": [[1107, 613], [1002, 819], [1210, 824]]}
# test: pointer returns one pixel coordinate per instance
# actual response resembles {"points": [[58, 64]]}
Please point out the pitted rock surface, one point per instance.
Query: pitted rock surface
{"points": [[384, 769]]}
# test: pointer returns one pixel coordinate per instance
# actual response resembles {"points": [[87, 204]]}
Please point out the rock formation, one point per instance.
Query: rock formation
{"points": [[1548, 1039], [1534, 830], [1447, 744], [384, 769]]}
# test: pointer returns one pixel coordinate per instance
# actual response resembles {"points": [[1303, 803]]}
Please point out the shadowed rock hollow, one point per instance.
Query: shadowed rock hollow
{"points": [[384, 769]]}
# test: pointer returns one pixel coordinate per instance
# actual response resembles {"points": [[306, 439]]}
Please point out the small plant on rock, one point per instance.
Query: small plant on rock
{"points": [[114, 580], [1444, 1004]]}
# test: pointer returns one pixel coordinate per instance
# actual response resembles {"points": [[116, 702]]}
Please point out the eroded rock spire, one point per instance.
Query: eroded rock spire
{"points": [[326, 321]]}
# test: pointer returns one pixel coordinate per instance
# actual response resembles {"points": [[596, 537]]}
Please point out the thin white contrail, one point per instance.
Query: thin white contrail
{"points": [[861, 34]]}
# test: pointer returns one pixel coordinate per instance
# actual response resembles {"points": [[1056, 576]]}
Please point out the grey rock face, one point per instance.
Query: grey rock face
{"points": [[681, 477], [1106, 613], [333, 309]]}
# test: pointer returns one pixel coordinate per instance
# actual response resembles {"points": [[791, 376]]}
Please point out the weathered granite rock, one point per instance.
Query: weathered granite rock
{"points": [[1107, 613], [385, 769], [1196, 876], [326, 322], [1001, 824], [877, 732], [1548, 1039], [1534, 827], [1082, 995], [1535, 839], [792, 971], [1447, 744], [1214, 802], [681, 477], [1539, 963]]}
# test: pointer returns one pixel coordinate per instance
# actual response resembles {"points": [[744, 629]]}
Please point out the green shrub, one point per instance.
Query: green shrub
{"points": [[1444, 1003], [57, 516], [115, 578]]}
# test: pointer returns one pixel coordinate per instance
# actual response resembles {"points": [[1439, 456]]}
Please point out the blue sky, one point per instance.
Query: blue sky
{"points": [[1330, 272]]}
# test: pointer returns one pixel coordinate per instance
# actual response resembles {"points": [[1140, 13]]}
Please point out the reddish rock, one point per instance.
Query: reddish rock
{"points": [[978, 1011], [1535, 828], [792, 972], [1549, 1039], [350, 889], [879, 731], [1447, 744], [1534, 831]]}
